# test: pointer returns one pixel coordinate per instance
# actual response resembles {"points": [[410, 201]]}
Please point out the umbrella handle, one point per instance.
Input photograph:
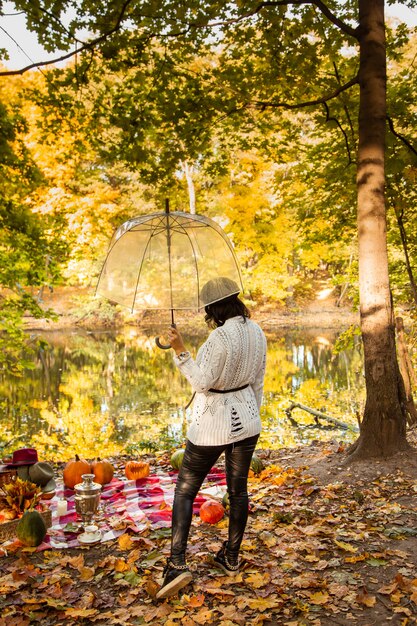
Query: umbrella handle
{"points": [[161, 345]]}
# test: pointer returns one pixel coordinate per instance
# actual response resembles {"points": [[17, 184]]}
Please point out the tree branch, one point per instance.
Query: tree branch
{"points": [[56, 19], [42, 63], [285, 105], [334, 119], [85, 46], [348, 30], [345, 108], [400, 137]]}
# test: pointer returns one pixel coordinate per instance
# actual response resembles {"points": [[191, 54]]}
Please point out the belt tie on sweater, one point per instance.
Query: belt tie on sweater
{"points": [[219, 391], [229, 390]]}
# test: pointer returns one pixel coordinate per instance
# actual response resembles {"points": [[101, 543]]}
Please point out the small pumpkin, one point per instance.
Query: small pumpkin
{"points": [[177, 458], [211, 511], [31, 529], [103, 471], [135, 470], [256, 464], [73, 471]]}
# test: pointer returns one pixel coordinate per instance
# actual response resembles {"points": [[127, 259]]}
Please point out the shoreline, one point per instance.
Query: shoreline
{"points": [[66, 302]]}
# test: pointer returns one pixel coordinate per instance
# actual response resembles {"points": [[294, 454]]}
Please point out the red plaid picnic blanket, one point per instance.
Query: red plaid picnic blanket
{"points": [[126, 504]]}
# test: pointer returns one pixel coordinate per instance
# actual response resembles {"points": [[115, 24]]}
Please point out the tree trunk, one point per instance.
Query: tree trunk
{"points": [[188, 172], [383, 428]]}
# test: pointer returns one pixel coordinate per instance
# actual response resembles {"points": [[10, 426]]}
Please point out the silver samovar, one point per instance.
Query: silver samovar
{"points": [[87, 498]]}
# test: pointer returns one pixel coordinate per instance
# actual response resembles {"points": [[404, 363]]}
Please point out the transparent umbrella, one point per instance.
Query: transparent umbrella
{"points": [[165, 260]]}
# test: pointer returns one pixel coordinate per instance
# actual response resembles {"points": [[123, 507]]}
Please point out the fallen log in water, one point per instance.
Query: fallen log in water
{"points": [[319, 415]]}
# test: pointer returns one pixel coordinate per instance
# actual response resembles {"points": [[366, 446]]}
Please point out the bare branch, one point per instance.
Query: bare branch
{"points": [[301, 105], [85, 46], [400, 137]]}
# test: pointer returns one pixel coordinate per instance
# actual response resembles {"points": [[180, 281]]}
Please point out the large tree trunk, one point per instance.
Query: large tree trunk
{"points": [[383, 428]]}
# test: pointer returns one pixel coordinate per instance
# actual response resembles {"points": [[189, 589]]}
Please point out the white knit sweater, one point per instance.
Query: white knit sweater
{"points": [[233, 355]]}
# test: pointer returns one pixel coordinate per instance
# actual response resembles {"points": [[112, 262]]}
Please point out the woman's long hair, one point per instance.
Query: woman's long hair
{"points": [[218, 312]]}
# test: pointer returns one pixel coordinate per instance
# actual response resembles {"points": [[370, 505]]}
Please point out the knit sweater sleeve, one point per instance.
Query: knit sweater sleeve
{"points": [[203, 372]]}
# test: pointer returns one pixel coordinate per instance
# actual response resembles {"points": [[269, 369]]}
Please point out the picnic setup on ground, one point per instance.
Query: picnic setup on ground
{"points": [[88, 502]]}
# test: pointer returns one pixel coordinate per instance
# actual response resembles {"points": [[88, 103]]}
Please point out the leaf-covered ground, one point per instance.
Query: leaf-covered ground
{"points": [[326, 544]]}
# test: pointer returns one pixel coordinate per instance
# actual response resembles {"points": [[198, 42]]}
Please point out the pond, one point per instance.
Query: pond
{"points": [[104, 393]]}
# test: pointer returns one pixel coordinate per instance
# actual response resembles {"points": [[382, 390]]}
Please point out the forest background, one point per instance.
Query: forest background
{"points": [[135, 118], [261, 116]]}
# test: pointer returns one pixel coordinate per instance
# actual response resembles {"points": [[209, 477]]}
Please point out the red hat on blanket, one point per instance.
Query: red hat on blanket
{"points": [[24, 456]]}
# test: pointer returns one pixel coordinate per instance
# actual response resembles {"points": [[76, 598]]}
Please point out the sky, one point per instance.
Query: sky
{"points": [[24, 49]]}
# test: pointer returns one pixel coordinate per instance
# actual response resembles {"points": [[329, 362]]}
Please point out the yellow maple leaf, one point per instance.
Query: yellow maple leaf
{"points": [[357, 558], [86, 573], [319, 597], [345, 546], [262, 604], [121, 566], [396, 596], [223, 523], [176, 615], [125, 542], [203, 616], [258, 580], [76, 561], [187, 621], [80, 612]]}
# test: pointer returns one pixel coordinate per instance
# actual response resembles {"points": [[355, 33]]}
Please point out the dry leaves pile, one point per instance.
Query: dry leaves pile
{"points": [[315, 554]]}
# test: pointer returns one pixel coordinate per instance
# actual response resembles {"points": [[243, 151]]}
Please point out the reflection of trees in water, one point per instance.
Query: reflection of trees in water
{"points": [[122, 385], [302, 367], [313, 358]]}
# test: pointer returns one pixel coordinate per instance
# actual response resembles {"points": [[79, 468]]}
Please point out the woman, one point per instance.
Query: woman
{"points": [[227, 378]]}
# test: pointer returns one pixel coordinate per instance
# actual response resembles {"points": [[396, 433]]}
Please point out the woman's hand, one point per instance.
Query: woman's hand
{"points": [[175, 340]]}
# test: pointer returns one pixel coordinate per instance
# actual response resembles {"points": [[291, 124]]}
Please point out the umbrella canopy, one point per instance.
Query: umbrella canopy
{"points": [[163, 261]]}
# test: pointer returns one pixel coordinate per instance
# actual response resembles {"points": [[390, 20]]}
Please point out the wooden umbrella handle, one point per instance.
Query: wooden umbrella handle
{"points": [[161, 345]]}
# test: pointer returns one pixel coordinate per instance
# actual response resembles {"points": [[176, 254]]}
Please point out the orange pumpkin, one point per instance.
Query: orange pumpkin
{"points": [[103, 471], [135, 470], [211, 511], [73, 471]]}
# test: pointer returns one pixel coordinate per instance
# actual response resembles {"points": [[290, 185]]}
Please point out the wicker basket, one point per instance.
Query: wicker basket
{"points": [[8, 529], [7, 476]]}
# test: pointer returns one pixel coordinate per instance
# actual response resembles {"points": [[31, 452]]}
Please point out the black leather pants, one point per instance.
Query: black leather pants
{"points": [[197, 462]]}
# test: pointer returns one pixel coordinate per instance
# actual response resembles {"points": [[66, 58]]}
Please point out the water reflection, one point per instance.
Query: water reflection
{"points": [[94, 393]]}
